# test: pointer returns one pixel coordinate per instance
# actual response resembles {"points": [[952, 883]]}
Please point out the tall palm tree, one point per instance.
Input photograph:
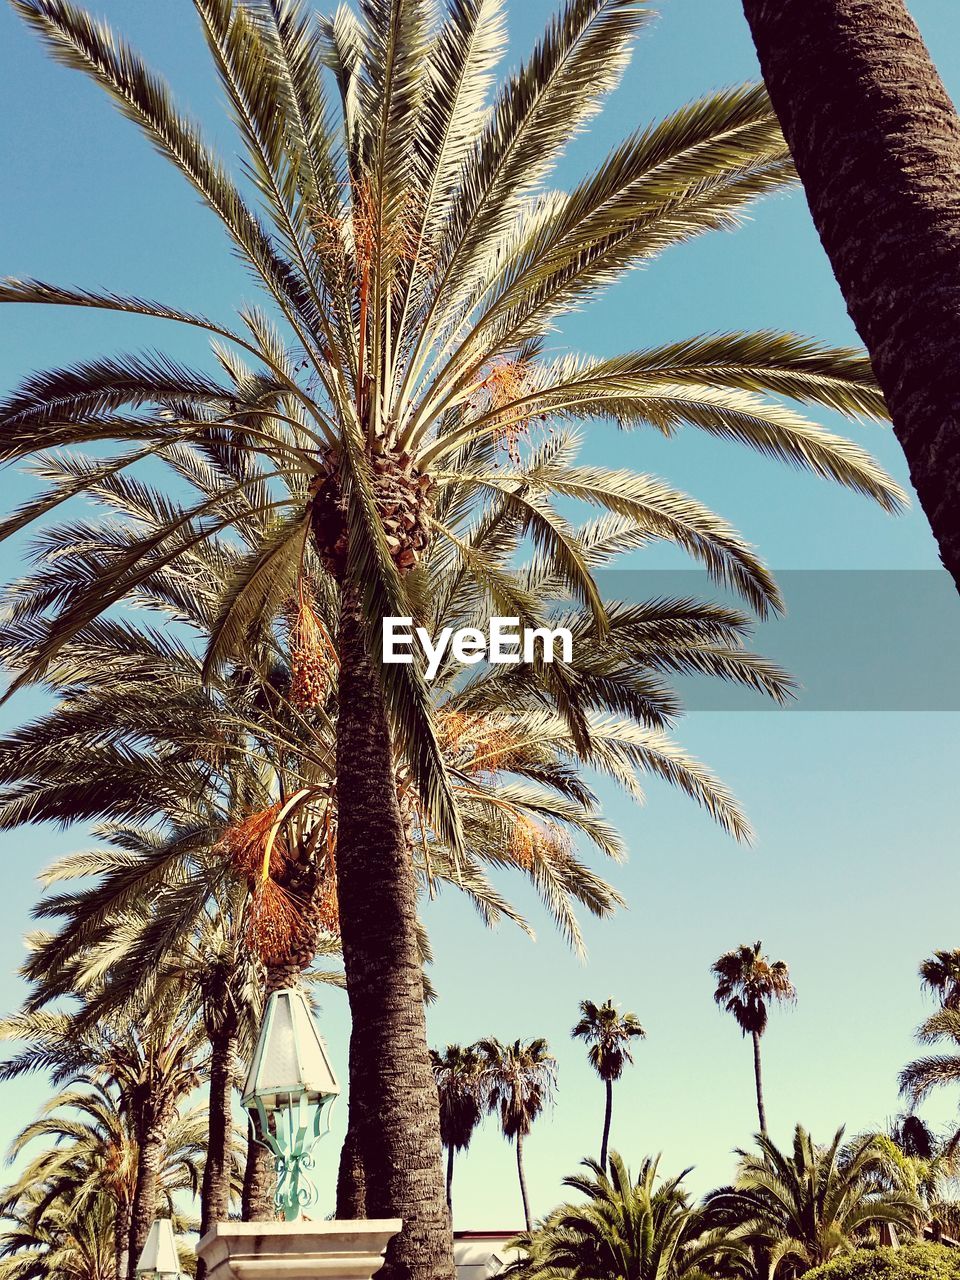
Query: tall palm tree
{"points": [[519, 1080], [457, 1072], [508, 752], [747, 984], [416, 264], [941, 973], [875, 136], [804, 1206], [165, 728], [608, 1032], [634, 1230]]}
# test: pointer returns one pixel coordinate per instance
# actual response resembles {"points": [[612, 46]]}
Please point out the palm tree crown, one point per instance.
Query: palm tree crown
{"points": [[625, 1229], [941, 973], [804, 1206], [608, 1033], [747, 984]]}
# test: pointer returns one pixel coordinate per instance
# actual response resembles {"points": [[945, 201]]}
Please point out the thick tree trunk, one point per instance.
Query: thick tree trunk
{"points": [[393, 1098], [523, 1184], [215, 1188], [607, 1118], [259, 1184], [758, 1078], [876, 142], [152, 1144]]}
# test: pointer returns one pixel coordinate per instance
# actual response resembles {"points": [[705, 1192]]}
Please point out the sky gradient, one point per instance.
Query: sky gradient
{"points": [[853, 876]]}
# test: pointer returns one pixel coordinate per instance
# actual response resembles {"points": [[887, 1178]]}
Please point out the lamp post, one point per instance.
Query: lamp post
{"points": [[286, 1092], [159, 1259]]}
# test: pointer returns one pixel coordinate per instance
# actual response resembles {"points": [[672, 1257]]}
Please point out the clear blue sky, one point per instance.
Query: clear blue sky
{"points": [[853, 877]]}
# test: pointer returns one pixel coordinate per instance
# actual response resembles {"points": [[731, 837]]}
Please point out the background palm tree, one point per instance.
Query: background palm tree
{"points": [[875, 135], [416, 266], [608, 1033], [73, 1200], [804, 1206], [912, 1159], [920, 1077], [634, 1230], [458, 1073], [519, 1080], [941, 973], [154, 1062], [747, 983]]}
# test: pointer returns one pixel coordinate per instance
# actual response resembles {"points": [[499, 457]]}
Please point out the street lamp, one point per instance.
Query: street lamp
{"points": [[159, 1259], [289, 1083]]}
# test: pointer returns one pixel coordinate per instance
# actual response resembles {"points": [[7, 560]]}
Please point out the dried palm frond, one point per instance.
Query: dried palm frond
{"points": [[255, 847]]}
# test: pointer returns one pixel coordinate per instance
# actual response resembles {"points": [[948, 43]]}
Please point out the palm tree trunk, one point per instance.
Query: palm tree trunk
{"points": [[153, 1141], [758, 1077], [523, 1183], [607, 1117], [351, 1179], [451, 1154], [876, 142], [393, 1093], [215, 1188], [259, 1183], [121, 1238]]}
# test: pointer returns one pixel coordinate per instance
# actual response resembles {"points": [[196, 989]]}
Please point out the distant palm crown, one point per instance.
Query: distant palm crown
{"points": [[746, 984]]}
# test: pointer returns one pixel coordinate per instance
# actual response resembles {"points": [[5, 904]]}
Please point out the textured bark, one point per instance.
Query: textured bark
{"points": [[607, 1118], [876, 142], [259, 1184], [758, 1079], [394, 1102], [523, 1183], [151, 1147], [215, 1188], [351, 1177], [121, 1238]]}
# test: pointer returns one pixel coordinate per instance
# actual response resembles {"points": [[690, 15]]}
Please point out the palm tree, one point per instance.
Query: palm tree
{"points": [[55, 1241], [608, 1033], [519, 1080], [803, 1207], [515, 791], [941, 973], [912, 1159], [457, 1072], [86, 1174], [747, 983], [634, 1230], [875, 136], [416, 264], [920, 1077], [913, 1136], [147, 689], [153, 1063]]}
